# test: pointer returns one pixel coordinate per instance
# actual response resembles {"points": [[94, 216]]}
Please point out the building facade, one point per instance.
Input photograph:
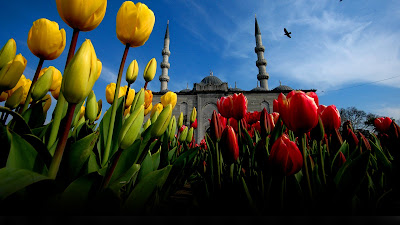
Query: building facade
{"points": [[204, 95]]}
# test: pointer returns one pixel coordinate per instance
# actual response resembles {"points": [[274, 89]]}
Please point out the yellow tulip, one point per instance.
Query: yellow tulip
{"points": [[131, 128], [45, 40], [127, 110], [110, 92], [57, 77], [132, 72], [7, 53], [91, 107], [3, 96], [134, 23], [42, 85], [162, 122], [82, 111], [21, 82], [56, 93], [14, 100], [150, 70], [99, 108], [148, 98], [148, 109], [157, 107], [169, 98], [84, 15], [131, 96], [12, 72], [27, 86], [81, 74], [47, 103]]}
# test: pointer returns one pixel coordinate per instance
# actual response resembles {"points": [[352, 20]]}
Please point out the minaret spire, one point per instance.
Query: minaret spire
{"points": [[164, 78], [261, 63]]}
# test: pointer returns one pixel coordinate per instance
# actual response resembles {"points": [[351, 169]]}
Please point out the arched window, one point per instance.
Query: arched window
{"points": [[265, 105]]}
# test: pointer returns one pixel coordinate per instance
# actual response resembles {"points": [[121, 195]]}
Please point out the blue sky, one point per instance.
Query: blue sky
{"points": [[349, 51]]}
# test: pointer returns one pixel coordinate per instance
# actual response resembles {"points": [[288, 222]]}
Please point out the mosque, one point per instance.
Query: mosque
{"points": [[204, 95]]}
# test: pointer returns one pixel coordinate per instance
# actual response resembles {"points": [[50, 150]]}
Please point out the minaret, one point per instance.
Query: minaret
{"points": [[261, 63], [164, 78]]}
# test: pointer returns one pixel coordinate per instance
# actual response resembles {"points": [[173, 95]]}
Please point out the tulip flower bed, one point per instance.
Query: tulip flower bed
{"points": [[295, 161]]}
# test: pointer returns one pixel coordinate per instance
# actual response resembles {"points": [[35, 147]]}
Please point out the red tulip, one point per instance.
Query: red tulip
{"points": [[330, 117], [340, 160], [181, 128], [216, 127], [364, 142], [252, 117], [285, 156], [275, 106], [234, 124], [225, 106], [256, 126], [382, 124], [298, 111], [239, 106], [194, 124], [233, 106], [229, 146], [314, 96]]}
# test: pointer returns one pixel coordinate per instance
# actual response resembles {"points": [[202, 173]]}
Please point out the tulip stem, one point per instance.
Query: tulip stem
{"points": [[58, 112], [28, 98], [55, 162], [303, 144], [145, 85], [110, 170], [322, 160], [72, 46], [114, 107], [218, 165], [126, 94]]}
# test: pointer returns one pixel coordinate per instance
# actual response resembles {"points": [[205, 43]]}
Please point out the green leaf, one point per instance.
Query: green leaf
{"points": [[128, 176], [14, 179], [42, 132], [351, 174], [145, 188], [5, 140], [104, 127], [17, 124], [171, 153], [23, 156], [39, 146], [34, 116], [146, 167], [156, 159], [78, 153], [381, 156], [344, 149], [77, 194]]}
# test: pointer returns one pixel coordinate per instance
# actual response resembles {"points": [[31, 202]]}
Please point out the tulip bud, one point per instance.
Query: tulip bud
{"points": [[239, 106], [147, 124], [7, 53], [225, 106], [148, 109], [81, 73], [130, 97], [3, 96], [382, 124], [14, 100], [194, 124], [264, 123], [134, 33], [91, 107], [169, 98], [364, 142], [132, 72], [285, 156], [45, 40], [154, 116], [330, 117], [79, 116], [131, 127], [229, 146], [110, 92], [180, 120], [82, 15], [99, 108], [189, 136], [138, 100], [56, 93], [11, 72], [183, 135], [57, 77], [193, 115], [47, 103], [148, 98], [215, 127], [157, 107], [162, 122], [172, 128], [42, 85], [150, 70]]}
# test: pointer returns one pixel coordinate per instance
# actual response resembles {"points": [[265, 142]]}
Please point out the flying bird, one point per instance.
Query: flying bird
{"points": [[287, 33]]}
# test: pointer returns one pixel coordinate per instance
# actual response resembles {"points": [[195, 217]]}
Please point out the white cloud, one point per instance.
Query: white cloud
{"points": [[393, 112], [107, 75]]}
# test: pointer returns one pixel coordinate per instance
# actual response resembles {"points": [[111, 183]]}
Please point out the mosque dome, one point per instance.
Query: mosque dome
{"points": [[283, 88], [258, 89], [211, 79]]}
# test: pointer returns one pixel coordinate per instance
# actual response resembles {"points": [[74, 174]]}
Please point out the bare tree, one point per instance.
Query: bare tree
{"points": [[359, 119]]}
